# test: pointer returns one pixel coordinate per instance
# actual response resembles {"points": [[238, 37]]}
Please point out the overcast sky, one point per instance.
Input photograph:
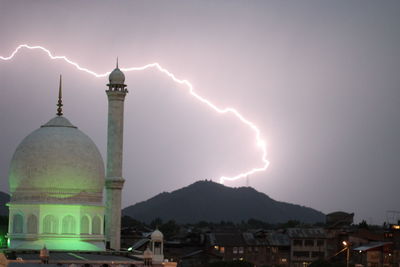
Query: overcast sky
{"points": [[321, 80]]}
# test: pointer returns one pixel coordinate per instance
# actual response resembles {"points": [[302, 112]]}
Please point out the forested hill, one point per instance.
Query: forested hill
{"points": [[214, 202]]}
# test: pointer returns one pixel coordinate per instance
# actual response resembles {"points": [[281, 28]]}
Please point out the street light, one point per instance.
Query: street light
{"points": [[347, 246]]}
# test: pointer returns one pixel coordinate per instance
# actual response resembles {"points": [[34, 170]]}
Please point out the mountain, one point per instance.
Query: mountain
{"points": [[214, 202], [4, 199]]}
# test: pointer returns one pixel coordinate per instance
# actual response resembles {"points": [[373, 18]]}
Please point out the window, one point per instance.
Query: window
{"points": [[222, 250], [249, 249], [96, 226], [68, 225], [241, 250], [301, 254], [235, 250], [32, 224], [320, 243], [309, 243], [317, 254], [18, 221], [157, 248], [85, 225], [50, 224], [297, 242]]}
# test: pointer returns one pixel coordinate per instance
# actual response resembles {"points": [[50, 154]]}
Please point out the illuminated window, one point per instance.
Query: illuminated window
{"points": [[50, 224], [68, 225], [241, 250], [235, 250], [18, 221], [216, 247], [222, 250], [96, 225], [85, 225], [32, 224], [283, 260]]}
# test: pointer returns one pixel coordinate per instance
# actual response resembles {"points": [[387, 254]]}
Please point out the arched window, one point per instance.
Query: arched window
{"points": [[32, 224], [96, 225], [50, 224], [157, 248], [68, 225], [85, 225], [18, 222]]}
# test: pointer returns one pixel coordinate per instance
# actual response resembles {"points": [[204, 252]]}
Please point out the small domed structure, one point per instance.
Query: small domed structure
{"points": [[157, 246], [157, 236], [147, 254], [116, 77]]}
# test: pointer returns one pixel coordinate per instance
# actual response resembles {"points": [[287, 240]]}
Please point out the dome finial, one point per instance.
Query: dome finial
{"points": [[117, 63], [59, 104]]}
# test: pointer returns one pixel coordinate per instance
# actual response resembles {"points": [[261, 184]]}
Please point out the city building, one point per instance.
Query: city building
{"points": [[306, 245]]}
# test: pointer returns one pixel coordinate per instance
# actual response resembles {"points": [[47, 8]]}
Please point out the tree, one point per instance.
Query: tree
{"points": [[363, 225], [170, 228], [156, 223]]}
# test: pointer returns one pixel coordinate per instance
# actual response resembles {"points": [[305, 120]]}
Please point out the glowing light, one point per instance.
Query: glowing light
{"points": [[259, 141]]}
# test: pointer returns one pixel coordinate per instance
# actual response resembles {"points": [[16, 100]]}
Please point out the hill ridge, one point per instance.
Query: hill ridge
{"points": [[214, 202]]}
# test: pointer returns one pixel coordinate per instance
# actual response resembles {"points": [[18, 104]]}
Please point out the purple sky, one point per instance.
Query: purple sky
{"points": [[321, 79]]}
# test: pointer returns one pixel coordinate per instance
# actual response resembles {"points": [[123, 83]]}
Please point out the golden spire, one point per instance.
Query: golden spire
{"points": [[59, 105]]}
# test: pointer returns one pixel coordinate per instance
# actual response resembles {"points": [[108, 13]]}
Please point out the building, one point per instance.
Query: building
{"points": [[306, 245], [56, 181], [279, 244], [238, 246], [57, 177]]}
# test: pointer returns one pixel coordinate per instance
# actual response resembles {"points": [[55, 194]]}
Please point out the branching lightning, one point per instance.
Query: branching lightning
{"points": [[259, 141]]}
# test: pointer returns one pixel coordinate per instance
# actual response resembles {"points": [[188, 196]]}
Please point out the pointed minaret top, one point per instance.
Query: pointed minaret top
{"points": [[59, 104], [117, 62]]}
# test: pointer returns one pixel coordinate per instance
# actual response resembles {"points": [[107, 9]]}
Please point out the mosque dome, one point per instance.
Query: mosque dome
{"points": [[57, 163], [116, 76], [157, 235]]}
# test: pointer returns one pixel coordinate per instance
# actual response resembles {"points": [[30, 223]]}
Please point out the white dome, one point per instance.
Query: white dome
{"points": [[157, 236], [57, 163], [116, 77]]}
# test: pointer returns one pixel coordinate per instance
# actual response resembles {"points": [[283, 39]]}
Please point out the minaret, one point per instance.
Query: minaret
{"points": [[114, 181]]}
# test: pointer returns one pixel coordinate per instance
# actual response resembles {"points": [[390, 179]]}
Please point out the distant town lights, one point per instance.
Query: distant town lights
{"points": [[259, 141]]}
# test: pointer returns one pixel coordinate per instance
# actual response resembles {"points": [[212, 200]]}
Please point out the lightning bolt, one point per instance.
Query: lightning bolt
{"points": [[261, 144]]}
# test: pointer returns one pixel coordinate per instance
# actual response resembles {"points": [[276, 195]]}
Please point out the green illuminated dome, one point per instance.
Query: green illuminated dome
{"points": [[57, 163]]}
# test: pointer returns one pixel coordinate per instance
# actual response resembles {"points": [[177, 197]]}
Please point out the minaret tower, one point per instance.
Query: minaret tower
{"points": [[114, 181]]}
